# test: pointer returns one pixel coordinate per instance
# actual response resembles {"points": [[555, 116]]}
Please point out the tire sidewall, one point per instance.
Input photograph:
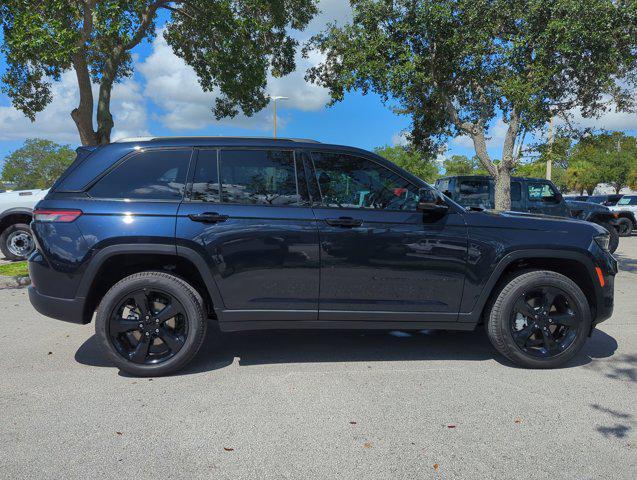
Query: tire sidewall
{"points": [[628, 228], [512, 296], [4, 247], [161, 282]]}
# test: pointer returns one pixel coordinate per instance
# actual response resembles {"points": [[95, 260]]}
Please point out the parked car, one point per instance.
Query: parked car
{"points": [[626, 211], [157, 236], [16, 208], [533, 195], [606, 200]]}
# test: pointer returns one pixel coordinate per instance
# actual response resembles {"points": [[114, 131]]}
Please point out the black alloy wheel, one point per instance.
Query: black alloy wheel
{"points": [[544, 321], [148, 326], [151, 323]]}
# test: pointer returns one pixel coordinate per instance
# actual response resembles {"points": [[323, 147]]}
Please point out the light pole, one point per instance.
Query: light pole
{"points": [[274, 99]]}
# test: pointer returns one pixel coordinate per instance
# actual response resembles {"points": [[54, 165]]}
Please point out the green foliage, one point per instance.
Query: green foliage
{"points": [[454, 66], [15, 269], [233, 45], [462, 165], [414, 162], [37, 164]]}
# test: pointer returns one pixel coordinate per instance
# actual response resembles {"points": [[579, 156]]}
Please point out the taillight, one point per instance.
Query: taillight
{"points": [[62, 216]]}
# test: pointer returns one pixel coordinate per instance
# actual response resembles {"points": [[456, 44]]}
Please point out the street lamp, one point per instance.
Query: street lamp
{"points": [[274, 98]]}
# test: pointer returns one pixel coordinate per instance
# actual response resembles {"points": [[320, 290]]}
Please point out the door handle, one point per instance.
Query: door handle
{"points": [[208, 217], [344, 222]]}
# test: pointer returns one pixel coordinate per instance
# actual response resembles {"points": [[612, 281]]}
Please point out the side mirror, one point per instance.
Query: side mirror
{"points": [[429, 202]]}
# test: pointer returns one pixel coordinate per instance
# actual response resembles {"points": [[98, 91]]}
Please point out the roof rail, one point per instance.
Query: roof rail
{"points": [[211, 137]]}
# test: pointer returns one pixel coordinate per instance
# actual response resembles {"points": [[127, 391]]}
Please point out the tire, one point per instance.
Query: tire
{"points": [[624, 227], [502, 321], [188, 332], [614, 236], [13, 239]]}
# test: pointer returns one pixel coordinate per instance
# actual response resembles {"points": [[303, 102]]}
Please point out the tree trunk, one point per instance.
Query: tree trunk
{"points": [[104, 117], [503, 189], [82, 115]]}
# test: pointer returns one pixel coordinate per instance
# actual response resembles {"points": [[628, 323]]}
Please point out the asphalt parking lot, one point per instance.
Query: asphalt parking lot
{"points": [[329, 405]]}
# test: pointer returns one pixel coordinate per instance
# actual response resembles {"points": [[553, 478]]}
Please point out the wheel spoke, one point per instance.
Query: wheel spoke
{"points": [[548, 298], [169, 311], [549, 342], [141, 302], [123, 325], [520, 337], [172, 341], [524, 308], [567, 319], [141, 350]]}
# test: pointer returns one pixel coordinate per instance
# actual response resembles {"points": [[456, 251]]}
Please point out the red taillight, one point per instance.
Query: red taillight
{"points": [[62, 216]]}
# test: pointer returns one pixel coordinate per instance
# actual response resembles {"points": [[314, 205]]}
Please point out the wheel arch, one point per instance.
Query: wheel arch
{"points": [[15, 215], [575, 265], [115, 262]]}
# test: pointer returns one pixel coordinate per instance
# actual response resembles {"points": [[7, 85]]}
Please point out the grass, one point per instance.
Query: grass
{"points": [[15, 269]]}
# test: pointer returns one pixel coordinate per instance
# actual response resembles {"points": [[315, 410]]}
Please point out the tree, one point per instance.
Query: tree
{"points": [[461, 165], [37, 164], [232, 46], [414, 162], [455, 66]]}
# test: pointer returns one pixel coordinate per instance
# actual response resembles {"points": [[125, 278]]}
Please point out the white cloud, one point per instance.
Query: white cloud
{"points": [[399, 139], [55, 122], [610, 120], [173, 87]]}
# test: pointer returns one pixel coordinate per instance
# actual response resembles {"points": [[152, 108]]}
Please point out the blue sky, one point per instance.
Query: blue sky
{"points": [[164, 98]]}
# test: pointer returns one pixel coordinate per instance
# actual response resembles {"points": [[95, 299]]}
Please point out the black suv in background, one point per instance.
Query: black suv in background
{"points": [[160, 235], [533, 195]]}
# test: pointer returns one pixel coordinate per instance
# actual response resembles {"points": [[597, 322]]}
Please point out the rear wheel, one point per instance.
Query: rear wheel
{"points": [[624, 227], [151, 323], [16, 242], [540, 319]]}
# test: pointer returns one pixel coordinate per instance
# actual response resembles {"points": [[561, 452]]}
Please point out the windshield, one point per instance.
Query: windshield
{"points": [[627, 201]]}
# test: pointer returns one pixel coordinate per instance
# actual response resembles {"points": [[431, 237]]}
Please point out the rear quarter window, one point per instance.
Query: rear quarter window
{"points": [[149, 175]]}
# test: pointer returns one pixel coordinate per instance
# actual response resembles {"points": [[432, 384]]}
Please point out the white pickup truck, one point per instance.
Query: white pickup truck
{"points": [[626, 211], [16, 210]]}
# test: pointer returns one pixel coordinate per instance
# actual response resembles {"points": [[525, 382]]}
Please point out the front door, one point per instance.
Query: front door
{"points": [[543, 197], [248, 218], [381, 259]]}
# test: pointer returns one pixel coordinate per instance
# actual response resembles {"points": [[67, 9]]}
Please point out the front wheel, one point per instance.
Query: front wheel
{"points": [[624, 227], [151, 323], [613, 242], [540, 319]]}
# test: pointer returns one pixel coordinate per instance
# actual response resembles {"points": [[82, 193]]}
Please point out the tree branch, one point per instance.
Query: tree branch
{"points": [[509, 141], [146, 19]]}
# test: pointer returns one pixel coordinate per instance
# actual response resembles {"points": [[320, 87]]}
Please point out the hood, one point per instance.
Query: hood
{"points": [[586, 206], [535, 221]]}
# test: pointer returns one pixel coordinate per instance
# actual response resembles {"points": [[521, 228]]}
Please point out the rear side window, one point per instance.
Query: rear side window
{"points": [[475, 193], [205, 184], [149, 175], [516, 192], [258, 177]]}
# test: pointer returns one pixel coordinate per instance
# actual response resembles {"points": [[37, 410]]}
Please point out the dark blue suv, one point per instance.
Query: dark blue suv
{"points": [[157, 236]]}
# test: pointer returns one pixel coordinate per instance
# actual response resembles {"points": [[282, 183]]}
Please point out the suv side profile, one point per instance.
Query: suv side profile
{"points": [[159, 236], [533, 195]]}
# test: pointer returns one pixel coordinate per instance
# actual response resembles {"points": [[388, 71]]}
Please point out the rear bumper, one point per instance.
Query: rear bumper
{"points": [[67, 309]]}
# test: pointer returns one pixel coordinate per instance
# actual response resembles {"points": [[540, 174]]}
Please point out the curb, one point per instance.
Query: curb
{"points": [[14, 282]]}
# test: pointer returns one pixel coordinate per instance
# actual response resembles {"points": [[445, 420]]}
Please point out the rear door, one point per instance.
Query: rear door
{"points": [[249, 218], [380, 258]]}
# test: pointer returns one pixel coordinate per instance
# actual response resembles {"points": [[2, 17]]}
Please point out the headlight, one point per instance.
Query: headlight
{"points": [[602, 241]]}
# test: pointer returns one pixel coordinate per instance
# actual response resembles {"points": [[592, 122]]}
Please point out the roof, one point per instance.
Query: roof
{"points": [[216, 140], [488, 177]]}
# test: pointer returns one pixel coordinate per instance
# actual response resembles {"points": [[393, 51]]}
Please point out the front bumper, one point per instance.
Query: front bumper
{"points": [[67, 309], [606, 294]]}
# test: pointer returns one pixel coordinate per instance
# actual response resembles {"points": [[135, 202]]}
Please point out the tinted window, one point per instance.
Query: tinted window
{"points": [[516, 191], [205, 183], [542, 192], [475, 193], [353, 182], [150, 175], [265, 177]]}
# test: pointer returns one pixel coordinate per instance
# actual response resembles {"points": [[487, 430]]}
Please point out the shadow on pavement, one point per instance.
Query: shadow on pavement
{"points": [[257, 348], [626, 264]]}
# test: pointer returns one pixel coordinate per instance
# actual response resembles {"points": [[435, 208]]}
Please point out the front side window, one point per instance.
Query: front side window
{"points": [[542, 192], [261, 177], [346, 181], [149, 175]]}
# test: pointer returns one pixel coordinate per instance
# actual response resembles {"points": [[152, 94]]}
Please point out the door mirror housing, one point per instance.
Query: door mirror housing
{"points": [[430, 202]]}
